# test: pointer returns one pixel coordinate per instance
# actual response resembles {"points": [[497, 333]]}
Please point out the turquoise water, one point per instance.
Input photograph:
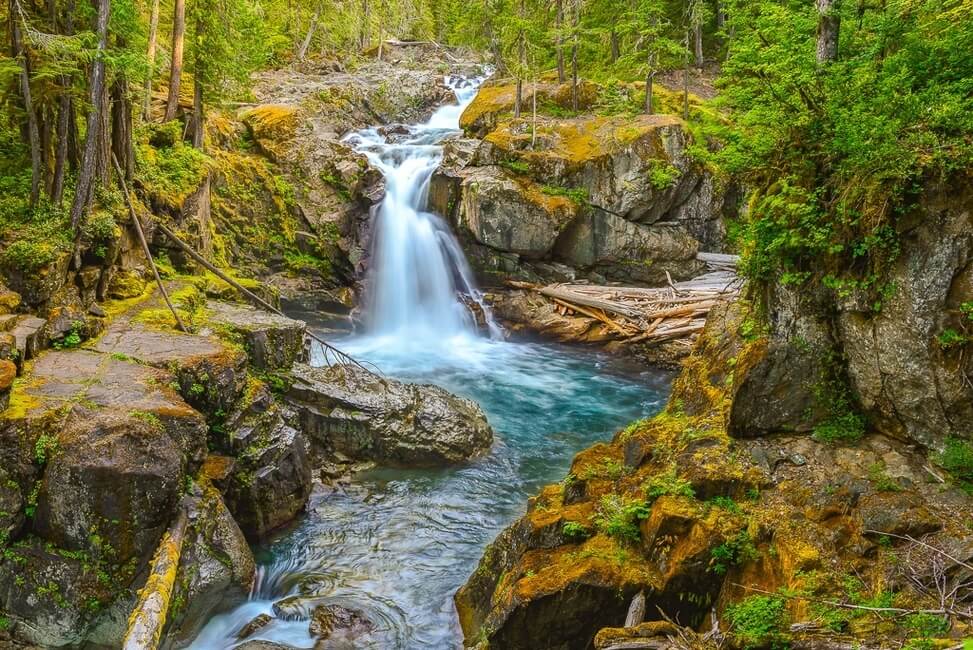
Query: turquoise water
{"points": [[397, 544]]}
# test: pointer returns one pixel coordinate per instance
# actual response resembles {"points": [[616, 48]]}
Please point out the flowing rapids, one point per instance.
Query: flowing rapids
{"points": [[397, 544]]}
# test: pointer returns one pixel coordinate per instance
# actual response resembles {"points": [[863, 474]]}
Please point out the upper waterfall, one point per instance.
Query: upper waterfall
{"points": [[417, 269]]}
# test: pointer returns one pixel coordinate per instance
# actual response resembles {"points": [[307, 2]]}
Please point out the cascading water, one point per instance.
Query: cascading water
{"points": [[397, 544], [417, 270]]}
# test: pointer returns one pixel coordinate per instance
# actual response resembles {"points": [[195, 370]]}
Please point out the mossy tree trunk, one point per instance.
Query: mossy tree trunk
{"points": [[150, 59], [829, 25]]}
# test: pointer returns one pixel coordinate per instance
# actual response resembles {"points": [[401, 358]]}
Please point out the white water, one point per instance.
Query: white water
{"points": [[417, 269]]}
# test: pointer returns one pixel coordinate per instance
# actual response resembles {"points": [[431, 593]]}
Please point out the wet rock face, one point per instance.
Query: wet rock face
{"points": [[352, 411]]}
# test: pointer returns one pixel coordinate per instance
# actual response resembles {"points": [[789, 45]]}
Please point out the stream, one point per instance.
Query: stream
{"points": [[397, 544]]}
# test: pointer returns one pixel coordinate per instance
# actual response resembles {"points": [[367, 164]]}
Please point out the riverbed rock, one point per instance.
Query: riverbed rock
{"points": [[338, 627], [348, 409], [495, 101]]}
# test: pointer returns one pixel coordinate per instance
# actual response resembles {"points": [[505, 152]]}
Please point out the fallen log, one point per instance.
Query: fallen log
{"points": [[148, 619]]}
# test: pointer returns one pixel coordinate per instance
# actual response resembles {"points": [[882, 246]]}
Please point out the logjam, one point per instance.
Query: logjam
{"points": [[650, 314]]}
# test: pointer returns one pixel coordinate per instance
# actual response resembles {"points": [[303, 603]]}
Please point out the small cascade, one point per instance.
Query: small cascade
{"points": [[419, 283]]}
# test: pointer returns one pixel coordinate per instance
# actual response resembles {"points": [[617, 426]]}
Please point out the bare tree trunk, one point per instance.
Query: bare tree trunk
{"points": [[33, 132], [198, 115], [302, 51], [574, 55], [364, 28], [649, 78], [150, 59], [559, 25], [829, 24], [122, 145], [615, 46], [685, 80], [74, 149], [698, 45], [521, 62], [61, 153], [175, 70], [103, 166], [86, 173]]}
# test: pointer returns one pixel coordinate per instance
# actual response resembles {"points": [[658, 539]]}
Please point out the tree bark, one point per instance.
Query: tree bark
{"points": [[574, 55], [175, 70], [698, 45], [33, 132], [649, 78], [559, 44], [521, 62], [86, 173], [150, 60], [615, 46], [122, 144], [61, 153], [829, 24]]}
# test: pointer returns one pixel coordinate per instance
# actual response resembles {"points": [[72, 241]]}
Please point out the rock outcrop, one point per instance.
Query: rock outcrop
{"points": [[614, 198], [700, 521], [350, 410]]}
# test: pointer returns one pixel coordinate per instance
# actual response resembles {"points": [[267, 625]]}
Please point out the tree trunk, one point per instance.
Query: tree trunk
{"points": [[121, 132], [74, 148], [649, 78], [33, 132], [364, 27], [521, 62], [150, 60], [198, 115], [103, 168], [698, 45], [574, 55], [302, 51], [685, 80], [559, 26], [615, 46], [61, 153], [829, 23], [86, 173], [175, 70]]}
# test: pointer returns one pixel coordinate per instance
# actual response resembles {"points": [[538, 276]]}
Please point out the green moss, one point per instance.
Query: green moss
{"points": [[169, 170], [575, 531]]}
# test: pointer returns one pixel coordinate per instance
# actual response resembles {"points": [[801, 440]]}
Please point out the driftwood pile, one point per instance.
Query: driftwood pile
{"points": [[676, 312]]}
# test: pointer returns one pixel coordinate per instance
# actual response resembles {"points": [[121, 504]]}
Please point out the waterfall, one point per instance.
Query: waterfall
{"points": [[418, 273]]}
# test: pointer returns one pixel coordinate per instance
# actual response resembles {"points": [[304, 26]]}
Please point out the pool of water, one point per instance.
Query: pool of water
{"points": [[397, 544]]}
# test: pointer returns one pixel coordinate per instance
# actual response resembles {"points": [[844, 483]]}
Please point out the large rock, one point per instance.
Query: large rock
{"points": [[266, 479], [908, 384], [348, 409], [272, 342], [630, 252], [216, 568], [512, 215], [495, 102]]}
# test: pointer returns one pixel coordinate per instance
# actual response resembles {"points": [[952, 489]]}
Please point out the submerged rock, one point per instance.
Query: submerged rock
{"points": [[353, 411], [337, 627]]}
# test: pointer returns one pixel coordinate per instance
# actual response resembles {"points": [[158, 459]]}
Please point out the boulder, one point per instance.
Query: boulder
{"points": [[8, 372], [216, 568], [267, 480], [335, 626], [30, 335], [272, 342], [347, 409], [495, 102], [629, 252], [512, 215]]}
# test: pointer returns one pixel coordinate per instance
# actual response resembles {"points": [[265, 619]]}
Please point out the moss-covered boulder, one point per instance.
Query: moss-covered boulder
{"points": [[272, 342], [495, 102]]}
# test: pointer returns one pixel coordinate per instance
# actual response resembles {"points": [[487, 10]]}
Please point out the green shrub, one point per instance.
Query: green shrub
{"points": [[575, 531], [758, 621], [725, 503], [577, 194], [950, 338], [957, 459], [844, 427]]}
